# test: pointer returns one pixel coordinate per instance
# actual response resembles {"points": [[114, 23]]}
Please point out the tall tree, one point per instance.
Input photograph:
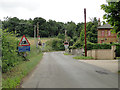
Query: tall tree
{"points": [[112, 10], [71, 29]]}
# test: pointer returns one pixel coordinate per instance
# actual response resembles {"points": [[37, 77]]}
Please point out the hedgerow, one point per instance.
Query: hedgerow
{"points": [[10, 55]]}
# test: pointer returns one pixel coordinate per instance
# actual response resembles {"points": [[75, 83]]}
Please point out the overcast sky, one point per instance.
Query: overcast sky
{"points": [[59, 10]]}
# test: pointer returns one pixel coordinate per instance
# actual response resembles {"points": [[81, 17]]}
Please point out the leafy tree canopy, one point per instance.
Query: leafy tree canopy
{"points": [[112, 10]]}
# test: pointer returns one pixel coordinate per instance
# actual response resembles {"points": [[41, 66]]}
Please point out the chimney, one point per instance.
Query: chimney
{"points": [[99, 23]]}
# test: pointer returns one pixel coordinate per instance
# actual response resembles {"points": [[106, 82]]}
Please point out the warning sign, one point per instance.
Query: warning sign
{"points": [[24, 41]]}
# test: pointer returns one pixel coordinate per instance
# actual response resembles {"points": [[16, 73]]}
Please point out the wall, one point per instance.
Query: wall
{"points": [[102, 54], [77, 52]]}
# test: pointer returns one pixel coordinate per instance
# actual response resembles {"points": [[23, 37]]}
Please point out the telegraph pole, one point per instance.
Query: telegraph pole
{"points": [[37, 33], [66, 35], [85, 33], [34, 31], [37, 29]]}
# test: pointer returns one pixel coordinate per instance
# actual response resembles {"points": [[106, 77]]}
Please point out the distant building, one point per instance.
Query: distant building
{"points": [[105, 35]]}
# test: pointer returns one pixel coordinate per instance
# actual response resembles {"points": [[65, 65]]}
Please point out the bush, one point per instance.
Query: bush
{"points": [[75, 38], [56, 44], [10, 55], [61, 36], [77, 44], [91, 46]]}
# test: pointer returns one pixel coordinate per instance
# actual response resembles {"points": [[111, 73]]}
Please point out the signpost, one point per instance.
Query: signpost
{"points": [[24, 45]]}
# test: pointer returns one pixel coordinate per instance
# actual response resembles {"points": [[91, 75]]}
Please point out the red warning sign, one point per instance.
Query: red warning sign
{"points": [[24, 41]]}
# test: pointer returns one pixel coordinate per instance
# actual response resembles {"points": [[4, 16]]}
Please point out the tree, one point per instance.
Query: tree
{"points": [[112, 15], [71, 29], [91, 31], [11, 24]]}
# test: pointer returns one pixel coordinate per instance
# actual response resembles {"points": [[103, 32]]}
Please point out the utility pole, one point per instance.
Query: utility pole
{"points": [[34, 31], [37, 29], [66, 35], [85, 33], [37, 33]]}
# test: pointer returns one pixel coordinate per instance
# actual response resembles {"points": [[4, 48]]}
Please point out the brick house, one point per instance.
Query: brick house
{"points": [[104, 34]]}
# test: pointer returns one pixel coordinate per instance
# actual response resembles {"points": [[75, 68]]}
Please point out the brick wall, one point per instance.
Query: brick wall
{"points": [[106, 38]]}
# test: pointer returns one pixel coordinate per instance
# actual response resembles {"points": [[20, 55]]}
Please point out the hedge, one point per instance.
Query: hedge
{"points": [[91, 46], [10, 55]]}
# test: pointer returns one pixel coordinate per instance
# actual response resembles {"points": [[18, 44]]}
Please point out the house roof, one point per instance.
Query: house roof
{"points": [[105, 26]]}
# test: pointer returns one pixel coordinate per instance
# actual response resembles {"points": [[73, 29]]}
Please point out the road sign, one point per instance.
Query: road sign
{"points": [[66, 44], [24, 41], [24, 45], [23, 48]]}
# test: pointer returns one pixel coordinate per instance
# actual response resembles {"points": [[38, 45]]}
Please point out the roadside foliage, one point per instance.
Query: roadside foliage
{"points": [[10, 55]]}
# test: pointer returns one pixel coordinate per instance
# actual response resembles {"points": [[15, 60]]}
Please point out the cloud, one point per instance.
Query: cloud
{"points": [[59, 10], [14, 4]]}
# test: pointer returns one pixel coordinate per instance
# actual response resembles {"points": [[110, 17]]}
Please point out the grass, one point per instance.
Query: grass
{"points": [[83, 57], [117, 57], [67, 54], [12, 78]]}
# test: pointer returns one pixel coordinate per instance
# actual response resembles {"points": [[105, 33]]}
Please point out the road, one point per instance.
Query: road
{"points": [[57, 70]]}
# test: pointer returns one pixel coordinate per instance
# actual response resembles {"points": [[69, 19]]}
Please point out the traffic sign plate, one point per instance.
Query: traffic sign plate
{"points": [[23, 48], [66, 43], [24, 41]]}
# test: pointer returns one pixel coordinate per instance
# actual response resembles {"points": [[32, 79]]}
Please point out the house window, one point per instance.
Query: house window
{"points": [[109, 33], [103, 33]]}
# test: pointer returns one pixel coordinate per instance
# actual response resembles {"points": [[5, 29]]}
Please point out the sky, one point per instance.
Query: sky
{"points": [[58, 10]]}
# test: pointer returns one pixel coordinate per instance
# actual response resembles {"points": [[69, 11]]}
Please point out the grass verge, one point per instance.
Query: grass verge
{"points": [[13, 78], [67, 54], [83, 57], [117, 57]]}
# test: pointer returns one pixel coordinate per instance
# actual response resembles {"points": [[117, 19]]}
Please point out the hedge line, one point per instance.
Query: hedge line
{"points": [[10, 55]]}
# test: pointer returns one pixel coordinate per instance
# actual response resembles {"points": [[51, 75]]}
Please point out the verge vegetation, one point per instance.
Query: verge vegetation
{"points": [[83, 57], [14, 65]]}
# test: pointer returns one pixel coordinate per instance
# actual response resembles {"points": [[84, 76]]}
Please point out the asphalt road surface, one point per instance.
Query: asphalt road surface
{"points": [[57, 70]]}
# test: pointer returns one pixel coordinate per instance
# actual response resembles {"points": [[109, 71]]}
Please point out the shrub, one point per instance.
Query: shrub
{"points": [[56, 44], [77, 44], [10, 55], [91, 46], [75, 38], [61, 36]]}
